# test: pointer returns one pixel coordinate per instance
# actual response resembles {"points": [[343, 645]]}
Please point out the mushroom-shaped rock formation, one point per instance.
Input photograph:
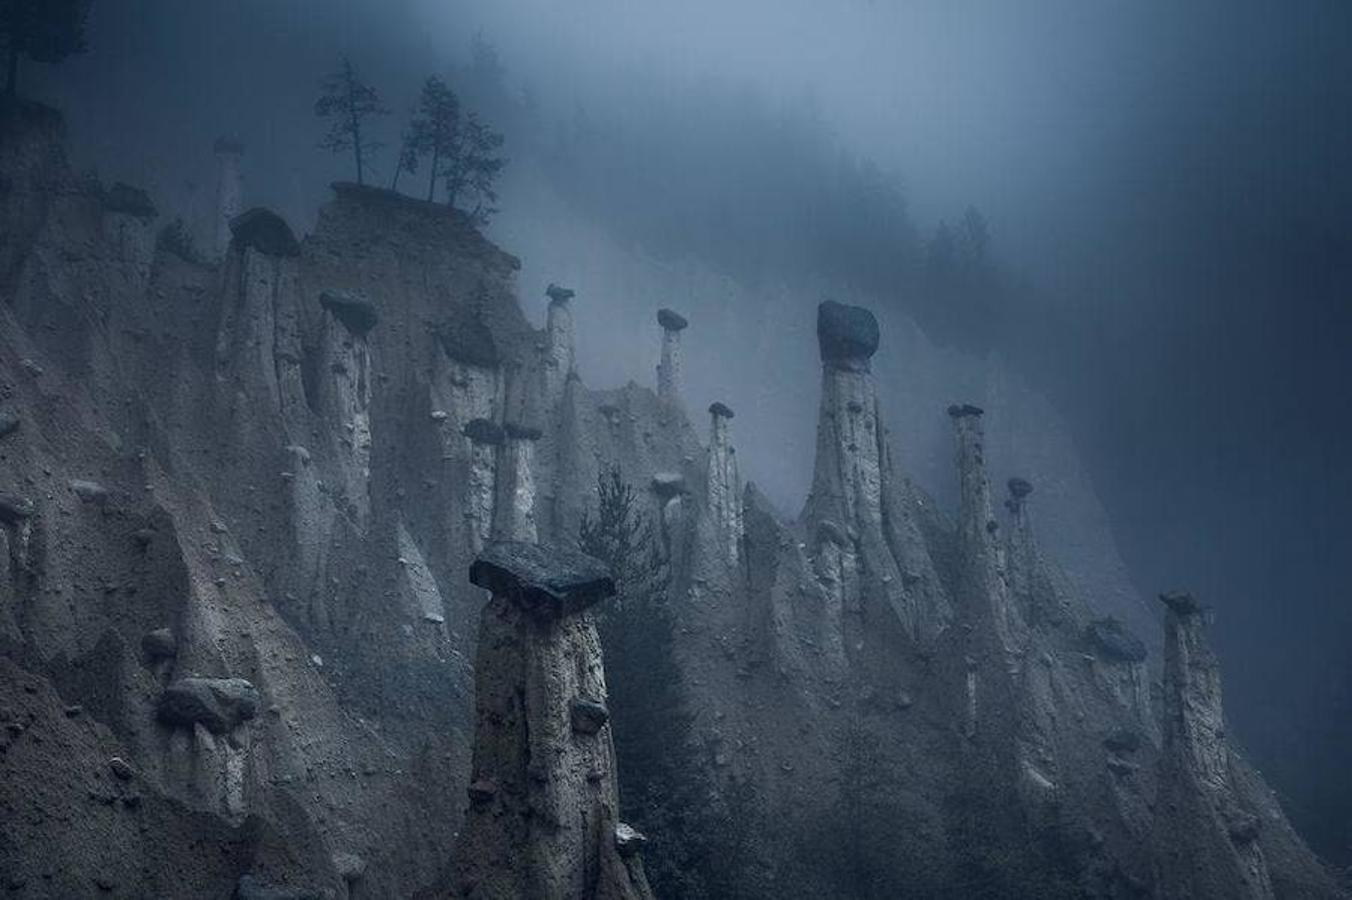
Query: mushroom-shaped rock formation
{"points": [[128, 200], [981, 554], [668, 484], [724, 482], [557, 294], [1181, 602], [854, 485], [846, 335], [265, 231], [219, 704], [670, 320], [965, 410], [548, 581], [468, 340], [559, 354], [669, 369], [357, 314], [543, 813], [1019, 489], [483, 431]]}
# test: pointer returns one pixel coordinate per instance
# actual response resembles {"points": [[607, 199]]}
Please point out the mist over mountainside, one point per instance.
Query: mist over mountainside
{"points": [[1145, 295]]}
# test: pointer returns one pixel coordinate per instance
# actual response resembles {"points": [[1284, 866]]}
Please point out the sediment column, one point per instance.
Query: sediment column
{"points": [[559, 353], [543, 820], [485, 439], [982, 556], [514, 516], [229, 190], [669, 369], [724, 482]]}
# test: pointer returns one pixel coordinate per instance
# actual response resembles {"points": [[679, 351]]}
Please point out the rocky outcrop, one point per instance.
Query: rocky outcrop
{"points": [[543, 820]]}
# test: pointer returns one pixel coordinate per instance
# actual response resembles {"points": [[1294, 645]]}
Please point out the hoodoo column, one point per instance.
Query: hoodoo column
{"points": [[228, 190], [1209, 839], [724, 483], [982, 555], [543, 821], [514, 517], [669, 369], [559, 358]]}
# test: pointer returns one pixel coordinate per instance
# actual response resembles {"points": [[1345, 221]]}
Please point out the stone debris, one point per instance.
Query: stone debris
{"points": [[131, 201], [668, 484]]}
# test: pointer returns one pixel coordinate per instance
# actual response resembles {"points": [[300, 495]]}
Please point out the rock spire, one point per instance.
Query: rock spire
{"points": [[228, 190], [669, 369], [543, 817]]}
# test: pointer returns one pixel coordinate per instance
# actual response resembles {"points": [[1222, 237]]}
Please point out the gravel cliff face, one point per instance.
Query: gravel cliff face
{"points": [[239, 500]]}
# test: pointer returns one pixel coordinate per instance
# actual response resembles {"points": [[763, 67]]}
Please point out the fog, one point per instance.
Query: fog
{"points": [[1165, 187]]}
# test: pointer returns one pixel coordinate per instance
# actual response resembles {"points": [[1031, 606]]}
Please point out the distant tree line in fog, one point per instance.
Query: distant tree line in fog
{"points": [[765, 192]]}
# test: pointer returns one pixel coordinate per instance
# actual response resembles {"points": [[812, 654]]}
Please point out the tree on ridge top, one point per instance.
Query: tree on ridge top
{"points": [[349, 102]]}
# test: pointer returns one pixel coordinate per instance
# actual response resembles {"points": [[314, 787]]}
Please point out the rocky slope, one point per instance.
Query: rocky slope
{"points": [[239, 500]]}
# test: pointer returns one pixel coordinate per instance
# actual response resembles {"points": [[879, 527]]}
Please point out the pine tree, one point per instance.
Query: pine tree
{"points": [[408, 158], [435, 129], [474, 167], [349, 102], [43, 30]]}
